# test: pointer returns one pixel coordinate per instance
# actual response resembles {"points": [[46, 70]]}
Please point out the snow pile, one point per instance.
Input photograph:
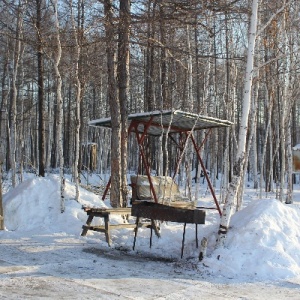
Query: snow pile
{"points": [[263, 243], [34, 205]]}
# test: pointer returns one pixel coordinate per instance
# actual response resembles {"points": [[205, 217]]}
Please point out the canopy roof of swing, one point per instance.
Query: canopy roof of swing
{"points": [[167, 121]]}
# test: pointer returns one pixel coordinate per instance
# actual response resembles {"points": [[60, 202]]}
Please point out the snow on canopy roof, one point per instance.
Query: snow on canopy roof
{"points": [[172, 120]]}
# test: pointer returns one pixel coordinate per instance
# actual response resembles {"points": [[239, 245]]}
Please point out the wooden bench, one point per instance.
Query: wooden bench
{"points": [[105, 214], [171, 206]]}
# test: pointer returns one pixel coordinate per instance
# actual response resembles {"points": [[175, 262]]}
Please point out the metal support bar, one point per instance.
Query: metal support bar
{"points": [[206, 175], [204, 140], [142, 153], [196, 230], [106, 189], [151, 234]]}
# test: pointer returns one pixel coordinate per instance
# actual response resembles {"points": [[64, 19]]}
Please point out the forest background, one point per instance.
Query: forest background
{"points": [[63, 63]]}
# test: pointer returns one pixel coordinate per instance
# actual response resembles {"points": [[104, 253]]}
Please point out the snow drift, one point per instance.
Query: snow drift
{"points": [[35, 205], [263, 242]]}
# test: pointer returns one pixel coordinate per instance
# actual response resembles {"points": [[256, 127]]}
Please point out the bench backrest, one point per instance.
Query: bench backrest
{"points": [[164, 186]]}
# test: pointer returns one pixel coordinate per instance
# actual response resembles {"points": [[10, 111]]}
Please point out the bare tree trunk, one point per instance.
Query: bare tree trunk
{"points": [[50, 140], [264, 148], [4, 105], [282, 135], [114, 107], [2, 156], [254, 157], [22, 123], [289, 196], [190, 98], [78, 105], [252, 123], [149, 103], [165, 102], [287, 104], [1, 202], [252, 129], [59, 110], [13, 118], [123, 83], [40, 57], [243, 130]]}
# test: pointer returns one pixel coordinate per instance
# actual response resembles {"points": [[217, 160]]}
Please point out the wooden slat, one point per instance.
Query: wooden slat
{"points": [[113, 226], [156, 211], [119, 210]]}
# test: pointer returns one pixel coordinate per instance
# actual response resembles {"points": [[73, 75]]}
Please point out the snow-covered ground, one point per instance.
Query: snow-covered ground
{"points": [[44, 256]]}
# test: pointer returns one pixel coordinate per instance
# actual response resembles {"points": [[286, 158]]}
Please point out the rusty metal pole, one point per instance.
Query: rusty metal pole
{"points": [[206, 175], [140, 140]]}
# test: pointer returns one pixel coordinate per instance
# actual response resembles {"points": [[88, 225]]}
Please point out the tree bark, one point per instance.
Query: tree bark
{"points": [[114, 106], [13, 117], [149, 103], [59, 110], [2, 155], [243, 130], [76, 165], [40, 58], [123, 83]]}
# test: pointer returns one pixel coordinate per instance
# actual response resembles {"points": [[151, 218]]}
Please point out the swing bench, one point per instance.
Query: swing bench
{"points": [[170, 206], [158, 197]]}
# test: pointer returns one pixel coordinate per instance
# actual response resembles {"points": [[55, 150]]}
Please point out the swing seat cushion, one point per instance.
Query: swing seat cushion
{"points": [[166, 190]]}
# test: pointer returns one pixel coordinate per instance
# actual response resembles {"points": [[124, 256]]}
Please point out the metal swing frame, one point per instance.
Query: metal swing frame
{"points": [[169, 122]]}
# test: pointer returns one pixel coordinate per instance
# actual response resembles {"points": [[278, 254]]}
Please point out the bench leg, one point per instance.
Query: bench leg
{"points": [[88, 223], [197, 236], [183, 237], [151, 233], [135, 231], [107, 230]]}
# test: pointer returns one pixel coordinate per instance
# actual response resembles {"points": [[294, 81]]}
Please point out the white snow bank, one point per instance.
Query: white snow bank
{"points": [[263, 243], [35, 205]]}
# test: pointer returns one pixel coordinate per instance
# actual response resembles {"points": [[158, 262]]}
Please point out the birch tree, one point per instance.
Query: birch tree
{"points": [[243, 130], [287, 104], [78, 105], [22, 123], [123, 83], [13, 118], [190, 100], [243, 127], [59, 108]]}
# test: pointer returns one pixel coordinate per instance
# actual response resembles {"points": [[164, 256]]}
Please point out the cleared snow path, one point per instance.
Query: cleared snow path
{"points": [[69, 268]]}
